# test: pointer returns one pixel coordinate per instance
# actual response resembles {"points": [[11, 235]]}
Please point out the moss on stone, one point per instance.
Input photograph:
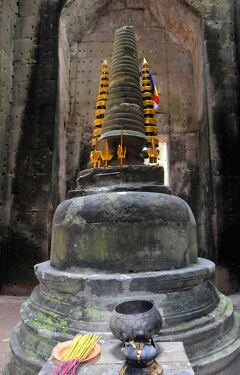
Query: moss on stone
{"points": [[93, 313], [50, 322]]}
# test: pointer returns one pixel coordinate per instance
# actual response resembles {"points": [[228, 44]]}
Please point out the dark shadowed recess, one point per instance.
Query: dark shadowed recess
{"points": [[21, 245], [226, 170]]}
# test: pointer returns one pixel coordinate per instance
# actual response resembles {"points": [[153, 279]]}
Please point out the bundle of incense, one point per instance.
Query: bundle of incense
{"points": [[79, 349]]}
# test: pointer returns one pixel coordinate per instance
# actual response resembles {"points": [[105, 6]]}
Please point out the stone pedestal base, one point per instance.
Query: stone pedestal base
{"points": [[66, 303], [172, 359]]}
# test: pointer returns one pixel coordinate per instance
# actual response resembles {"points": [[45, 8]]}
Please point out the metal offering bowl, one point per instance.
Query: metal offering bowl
{"points": [[131, 317]]}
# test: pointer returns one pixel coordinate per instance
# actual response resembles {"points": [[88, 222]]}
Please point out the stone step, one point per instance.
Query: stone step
{"points": [[23, 345], [202, 321], [219, 321], [192, 309], [219, 360], [204, 338], [225, 340]]}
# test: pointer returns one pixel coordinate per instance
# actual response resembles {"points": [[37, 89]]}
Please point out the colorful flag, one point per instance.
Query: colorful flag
{"points": [[154, 91]]}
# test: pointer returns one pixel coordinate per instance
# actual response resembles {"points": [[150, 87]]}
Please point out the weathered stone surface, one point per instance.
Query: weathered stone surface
{"points": [[66, 303], [102, 177], [124, 231], [125, 178], [30, 135]]}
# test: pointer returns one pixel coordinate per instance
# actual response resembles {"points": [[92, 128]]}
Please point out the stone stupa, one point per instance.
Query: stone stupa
{"points": [[121, 235]]}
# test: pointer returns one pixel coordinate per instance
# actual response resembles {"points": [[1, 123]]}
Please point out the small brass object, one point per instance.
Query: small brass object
{"points": [[152, 152], [95, 157], [121, 152], [139, 349], [154, 368]]}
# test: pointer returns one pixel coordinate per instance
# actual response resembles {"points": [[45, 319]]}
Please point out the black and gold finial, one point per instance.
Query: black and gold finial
{"points": [[151, 130], [95, 155]]}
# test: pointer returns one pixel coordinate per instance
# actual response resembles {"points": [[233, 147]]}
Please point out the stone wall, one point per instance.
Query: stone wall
{"points": [[8, 13], [222, 171], [51, 67], [28, 194]]}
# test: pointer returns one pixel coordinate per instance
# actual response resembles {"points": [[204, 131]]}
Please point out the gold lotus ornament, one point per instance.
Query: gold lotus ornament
{"points": [[105, 154]]}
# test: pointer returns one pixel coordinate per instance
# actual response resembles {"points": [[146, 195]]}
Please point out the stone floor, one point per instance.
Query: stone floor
{"points": [[9, 316]]}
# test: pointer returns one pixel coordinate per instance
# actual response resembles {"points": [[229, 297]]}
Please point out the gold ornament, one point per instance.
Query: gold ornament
{"points": [[151, 130], [105, 154], [121, 152], [95, 155], [152, 152]]}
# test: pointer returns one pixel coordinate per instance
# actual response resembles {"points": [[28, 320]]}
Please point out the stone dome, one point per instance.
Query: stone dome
{"points": [[124, 232]]}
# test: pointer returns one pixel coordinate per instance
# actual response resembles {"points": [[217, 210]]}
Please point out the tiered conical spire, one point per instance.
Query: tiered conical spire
{"points": [[99, 114], [151, 130], [124, 120]]}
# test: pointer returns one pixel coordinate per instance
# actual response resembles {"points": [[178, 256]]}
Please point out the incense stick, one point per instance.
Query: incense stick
{"points": [[79, 349]]}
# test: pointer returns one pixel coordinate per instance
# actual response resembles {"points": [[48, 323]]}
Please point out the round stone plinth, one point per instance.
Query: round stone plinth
{"points": [[66, 303], [123, 232], [147, 178]]}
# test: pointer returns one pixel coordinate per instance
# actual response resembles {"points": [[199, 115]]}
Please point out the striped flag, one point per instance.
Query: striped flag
{"points": [[154, 91]]}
